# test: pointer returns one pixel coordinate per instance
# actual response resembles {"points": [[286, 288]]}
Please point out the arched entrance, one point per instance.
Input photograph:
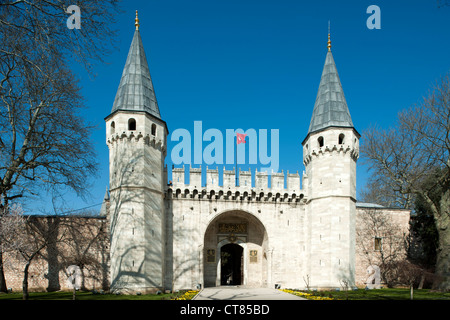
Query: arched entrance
{"points": [[231, 264], [234, 251]]}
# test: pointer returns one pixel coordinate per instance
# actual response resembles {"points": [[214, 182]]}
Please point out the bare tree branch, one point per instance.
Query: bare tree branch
{"points": [[44, 141], [403, 158]]}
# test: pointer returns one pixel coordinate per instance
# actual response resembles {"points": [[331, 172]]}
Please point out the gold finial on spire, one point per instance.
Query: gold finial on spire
{"points": [[136, 21], [329, 41]]}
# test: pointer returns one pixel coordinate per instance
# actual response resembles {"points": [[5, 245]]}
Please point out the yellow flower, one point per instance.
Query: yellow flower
{"points": [[188, 295], [306, 295]]}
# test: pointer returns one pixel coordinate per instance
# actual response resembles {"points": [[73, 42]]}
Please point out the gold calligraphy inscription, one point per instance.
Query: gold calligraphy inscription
{"points": [[253, 256], [232, 228]]}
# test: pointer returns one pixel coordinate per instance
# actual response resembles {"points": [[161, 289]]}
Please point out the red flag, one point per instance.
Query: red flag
{"points": [[240, 137]]}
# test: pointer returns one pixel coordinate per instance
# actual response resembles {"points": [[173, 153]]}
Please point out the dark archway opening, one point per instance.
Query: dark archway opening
{"points": [[231, 264]]}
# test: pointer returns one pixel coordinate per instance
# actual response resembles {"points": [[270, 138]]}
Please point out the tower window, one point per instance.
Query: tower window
{"points": [[341, 138], [153, 129], [113, 127], [131, 124], [320, 141]]}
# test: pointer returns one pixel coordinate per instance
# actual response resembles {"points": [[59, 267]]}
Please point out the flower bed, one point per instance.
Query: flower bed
{"points": [[188, 295], [309, 296]]}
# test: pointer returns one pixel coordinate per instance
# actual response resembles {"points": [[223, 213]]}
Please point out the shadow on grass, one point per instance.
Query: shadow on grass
{"points": [[64, 295]]}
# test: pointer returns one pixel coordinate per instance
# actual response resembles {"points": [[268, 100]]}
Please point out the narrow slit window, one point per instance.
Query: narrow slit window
{"points": [[341, 138], [377, 244]]}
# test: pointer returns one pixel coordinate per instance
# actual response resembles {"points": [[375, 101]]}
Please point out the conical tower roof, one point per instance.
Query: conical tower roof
{"points": [[136, 92], [330, 108]]}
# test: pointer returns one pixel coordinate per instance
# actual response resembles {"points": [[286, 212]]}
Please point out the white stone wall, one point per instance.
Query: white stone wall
{"points": [[278, 225], [163, 235], [331, 185], [330, 229], [137, 201]]}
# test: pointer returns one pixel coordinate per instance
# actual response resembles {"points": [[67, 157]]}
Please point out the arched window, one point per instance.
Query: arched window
{"points": [[131, 124], [113, 127], [341, 138], [153, 129], [320, 141]]}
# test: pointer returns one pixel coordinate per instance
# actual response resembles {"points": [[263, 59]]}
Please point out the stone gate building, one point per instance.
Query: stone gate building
{"points": [[176, 235], [152, 234]]}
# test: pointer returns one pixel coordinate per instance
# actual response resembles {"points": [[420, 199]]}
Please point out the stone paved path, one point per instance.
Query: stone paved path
{"points": [[244, 293]]}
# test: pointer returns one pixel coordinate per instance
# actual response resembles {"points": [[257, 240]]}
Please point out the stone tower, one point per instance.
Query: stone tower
{"points": [[330, 152], [136, 137]]}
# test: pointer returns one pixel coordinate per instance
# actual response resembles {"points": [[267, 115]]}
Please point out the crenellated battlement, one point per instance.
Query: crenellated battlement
{"points": [[277, 227], [236, 189], [147, 139], [345, 149]]}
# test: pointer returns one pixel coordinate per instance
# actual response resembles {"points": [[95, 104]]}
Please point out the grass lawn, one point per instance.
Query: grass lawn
{"points": [[360, 294], [376, 294], [83, 295]]}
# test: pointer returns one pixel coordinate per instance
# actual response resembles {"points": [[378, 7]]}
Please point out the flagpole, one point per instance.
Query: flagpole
{"points": [[235, 165]]}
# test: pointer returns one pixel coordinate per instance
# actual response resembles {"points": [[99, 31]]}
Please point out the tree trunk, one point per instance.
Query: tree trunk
{"points": [[441, 213], [442, 281], [25, 281], [3, 287], [422, 280]]}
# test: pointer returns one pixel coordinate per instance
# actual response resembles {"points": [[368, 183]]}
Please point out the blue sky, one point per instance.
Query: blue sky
{"points": [[257, 64]]}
